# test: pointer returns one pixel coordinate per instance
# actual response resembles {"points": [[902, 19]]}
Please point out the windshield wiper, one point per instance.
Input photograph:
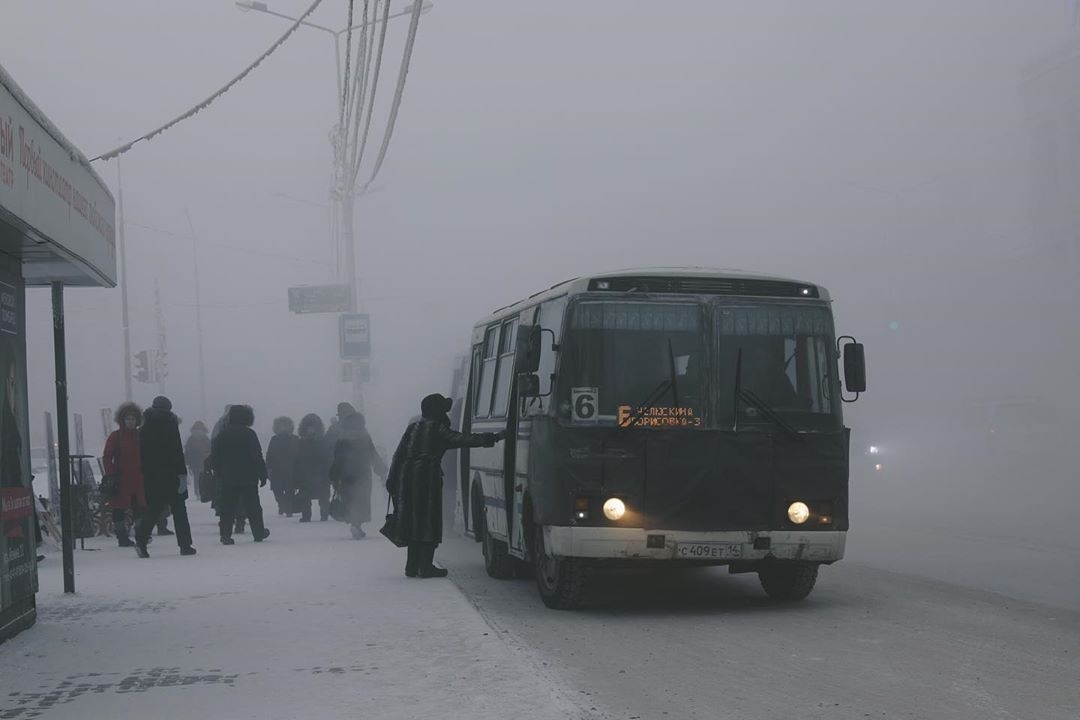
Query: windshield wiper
{"points": [[648, 404], [750, 397], [674, 374]]}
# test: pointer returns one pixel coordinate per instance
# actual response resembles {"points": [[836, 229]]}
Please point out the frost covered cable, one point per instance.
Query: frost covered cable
{"points": [[375, 86], [414, 22], [205, 103], [356, 98], [348, 62], [361, 98]]}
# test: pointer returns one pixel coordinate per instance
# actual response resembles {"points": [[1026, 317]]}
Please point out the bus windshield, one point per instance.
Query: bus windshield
{"points": [[681, 365], [781, 358], [620, 356]]}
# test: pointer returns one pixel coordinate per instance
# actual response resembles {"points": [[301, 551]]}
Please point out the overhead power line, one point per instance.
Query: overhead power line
{"points": [[414, 22], [224, 89]]}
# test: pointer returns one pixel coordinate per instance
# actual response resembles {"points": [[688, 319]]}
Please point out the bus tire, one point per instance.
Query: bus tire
{"points": [[561, 581], [788, 582], [497, 560]]}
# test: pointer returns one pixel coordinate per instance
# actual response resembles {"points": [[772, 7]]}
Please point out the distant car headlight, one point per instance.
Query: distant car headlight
{"points": [[614, 509], [879, 467], [798, 512], [874, 450]]}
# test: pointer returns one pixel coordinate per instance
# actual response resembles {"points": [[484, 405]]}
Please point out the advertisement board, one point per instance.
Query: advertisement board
{"points": [[18, 563], [48, 186]]}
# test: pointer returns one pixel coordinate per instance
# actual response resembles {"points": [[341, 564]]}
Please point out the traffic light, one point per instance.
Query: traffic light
{"points": [[162, 365], [142, 366]]}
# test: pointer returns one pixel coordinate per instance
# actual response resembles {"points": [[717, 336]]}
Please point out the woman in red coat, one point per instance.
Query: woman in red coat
{"points": [[123, 460]]}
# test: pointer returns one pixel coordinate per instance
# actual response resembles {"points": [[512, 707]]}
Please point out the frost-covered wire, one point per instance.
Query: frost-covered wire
{"points": [[348, 61], [205, 103], [358, 150], [414, 22]]}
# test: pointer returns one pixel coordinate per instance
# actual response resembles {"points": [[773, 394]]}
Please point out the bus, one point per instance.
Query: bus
{"points": [[678, 416]]}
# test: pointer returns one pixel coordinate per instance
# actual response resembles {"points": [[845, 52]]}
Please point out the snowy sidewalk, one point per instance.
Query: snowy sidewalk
{"points": [[307, 624]]}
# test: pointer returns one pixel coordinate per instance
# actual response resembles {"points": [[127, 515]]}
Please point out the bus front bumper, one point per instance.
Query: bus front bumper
{"points": [[824, 546]]}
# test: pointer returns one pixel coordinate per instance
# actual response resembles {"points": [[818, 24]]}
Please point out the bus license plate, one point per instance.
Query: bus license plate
{"points": [[708, 551]]}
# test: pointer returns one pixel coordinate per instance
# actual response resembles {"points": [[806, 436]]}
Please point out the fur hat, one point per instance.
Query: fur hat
{"points": [[312, 421], [125, 409], [241, 415], [161, 403], [434, 406]]}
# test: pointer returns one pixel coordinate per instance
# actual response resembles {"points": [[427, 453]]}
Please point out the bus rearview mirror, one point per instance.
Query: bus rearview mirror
{"points": [[855, 367], [527, 358]]}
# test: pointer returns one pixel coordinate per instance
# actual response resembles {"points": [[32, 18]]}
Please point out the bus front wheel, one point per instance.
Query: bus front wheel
{"points": [[788, 581], [561, 581]]}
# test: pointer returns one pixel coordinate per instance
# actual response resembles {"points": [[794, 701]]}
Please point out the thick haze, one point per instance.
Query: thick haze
{"points": [[878, 148]]}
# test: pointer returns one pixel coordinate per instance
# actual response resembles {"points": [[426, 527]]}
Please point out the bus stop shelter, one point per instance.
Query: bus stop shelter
{"points": [[57, 229]]}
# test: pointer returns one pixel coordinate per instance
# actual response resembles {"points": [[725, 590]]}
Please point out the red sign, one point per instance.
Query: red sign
{"points": [[16, 503]]}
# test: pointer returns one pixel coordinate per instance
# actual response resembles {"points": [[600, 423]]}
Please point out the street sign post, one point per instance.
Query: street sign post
{"points": [[355, 330], [320, 298]]}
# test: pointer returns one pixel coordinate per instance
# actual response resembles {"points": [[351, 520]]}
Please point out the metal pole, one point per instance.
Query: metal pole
{"points": [[67, 524], [198, 317], [128, 393]]}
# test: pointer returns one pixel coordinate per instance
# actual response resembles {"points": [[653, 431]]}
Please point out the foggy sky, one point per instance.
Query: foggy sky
{"points": [[878, 148]]}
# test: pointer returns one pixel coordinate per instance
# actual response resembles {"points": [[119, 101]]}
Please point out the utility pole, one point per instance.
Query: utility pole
{"points": [[124, 320], [160, 364], [357, 79], [198, 317]]}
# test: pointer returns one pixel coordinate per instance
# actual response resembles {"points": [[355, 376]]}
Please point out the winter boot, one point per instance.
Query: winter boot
{"points": [[239, 528], [122, 537], [226, 540], [432, 571], [187, 550], [140, 550], [357, 532], [163, 528], [260, 536]]}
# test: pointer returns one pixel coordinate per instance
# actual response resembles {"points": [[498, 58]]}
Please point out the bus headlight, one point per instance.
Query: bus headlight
{"points": [[614, 509], [798, 513]]}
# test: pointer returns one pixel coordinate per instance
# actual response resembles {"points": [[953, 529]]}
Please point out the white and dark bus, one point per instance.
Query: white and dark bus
{"points": [[676, 416]]}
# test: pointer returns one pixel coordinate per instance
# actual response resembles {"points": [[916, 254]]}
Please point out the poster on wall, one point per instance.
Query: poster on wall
{"points": [[18, 569]]}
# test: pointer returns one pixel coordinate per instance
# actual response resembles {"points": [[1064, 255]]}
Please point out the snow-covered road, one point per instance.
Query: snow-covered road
{"points": [[309, 624], [867, 644]]}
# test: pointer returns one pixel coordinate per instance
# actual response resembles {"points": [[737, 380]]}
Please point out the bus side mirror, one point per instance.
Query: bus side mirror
{"points": [[528, 385], [855, 367], [527, 355]]}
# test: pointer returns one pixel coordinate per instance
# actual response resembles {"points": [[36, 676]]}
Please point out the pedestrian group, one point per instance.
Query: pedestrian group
{"points": [[147, 467]]}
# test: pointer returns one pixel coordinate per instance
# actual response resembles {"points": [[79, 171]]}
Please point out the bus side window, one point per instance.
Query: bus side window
{"points": [[550, 318], [487, 372], [504, 373]]}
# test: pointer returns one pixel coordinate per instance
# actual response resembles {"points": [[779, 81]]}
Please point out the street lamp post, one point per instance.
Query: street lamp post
{"points": [[343, 184]]}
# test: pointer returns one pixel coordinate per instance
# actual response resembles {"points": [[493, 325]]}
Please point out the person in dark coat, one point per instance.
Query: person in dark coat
{"points": [[196, 450], [311, 472], [237, 458], [281, 464], [334, 432], [221, 424], [121, 458], [354, 459], [164, 475], [415, 482]]}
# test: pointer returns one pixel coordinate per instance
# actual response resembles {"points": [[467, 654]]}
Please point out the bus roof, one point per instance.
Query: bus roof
{"points": [[673, 280]]}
